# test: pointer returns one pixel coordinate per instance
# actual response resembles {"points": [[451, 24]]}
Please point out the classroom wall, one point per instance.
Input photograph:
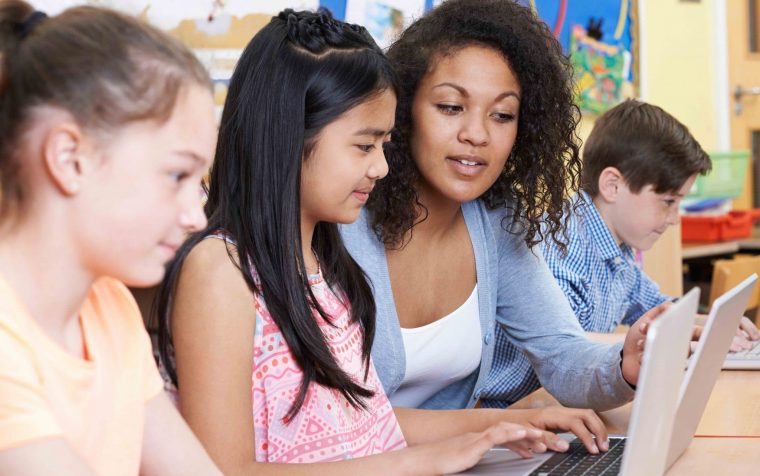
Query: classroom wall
{"points": [[677, 52], [680, 54]]}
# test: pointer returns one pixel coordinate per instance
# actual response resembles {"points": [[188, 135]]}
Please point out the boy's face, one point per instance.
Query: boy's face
{"points": [[639, 219]]}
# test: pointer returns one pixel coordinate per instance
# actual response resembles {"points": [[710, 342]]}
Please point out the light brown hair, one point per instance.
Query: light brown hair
{"points": [[104, 68]]}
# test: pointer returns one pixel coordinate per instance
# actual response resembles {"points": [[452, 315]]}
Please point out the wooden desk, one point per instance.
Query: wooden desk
{"points": [[702, 250], [750, 244], [718, 456], [732, 415]]}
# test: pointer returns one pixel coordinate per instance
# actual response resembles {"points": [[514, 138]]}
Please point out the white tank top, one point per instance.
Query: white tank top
{"points": [[440, 353]]}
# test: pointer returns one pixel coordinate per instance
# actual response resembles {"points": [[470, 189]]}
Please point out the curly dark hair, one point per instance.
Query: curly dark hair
{"points": [[544, 162]]}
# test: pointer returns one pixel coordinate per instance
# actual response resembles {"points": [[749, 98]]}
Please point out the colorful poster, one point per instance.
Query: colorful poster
{"points": [[600, 70], [599, 37], [612, 17]]}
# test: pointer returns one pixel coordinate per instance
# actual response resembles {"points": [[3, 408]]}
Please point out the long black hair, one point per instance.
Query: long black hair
{"points": [[544, 162], [298, 74]]}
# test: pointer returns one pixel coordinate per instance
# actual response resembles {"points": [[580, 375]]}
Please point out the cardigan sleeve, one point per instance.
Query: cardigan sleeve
{"points": [[537, 319]]}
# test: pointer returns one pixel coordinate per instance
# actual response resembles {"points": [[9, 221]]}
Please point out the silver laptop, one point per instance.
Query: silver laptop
{"points": [[644, 452], [704, 366]]}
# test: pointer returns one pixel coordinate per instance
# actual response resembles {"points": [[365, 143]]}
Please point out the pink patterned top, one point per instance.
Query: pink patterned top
{"points": [[327, 427]]}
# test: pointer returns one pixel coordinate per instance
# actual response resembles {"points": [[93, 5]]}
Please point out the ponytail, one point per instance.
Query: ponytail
{"points": [[104, 68], [13, 29]]}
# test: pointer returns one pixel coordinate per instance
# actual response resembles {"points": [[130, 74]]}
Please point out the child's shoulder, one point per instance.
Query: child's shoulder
{"points": [[212, 253], [12, 312], [576, 233], [110, 311], [211, 282], [111, 292], [578, 219], [212, 261]]}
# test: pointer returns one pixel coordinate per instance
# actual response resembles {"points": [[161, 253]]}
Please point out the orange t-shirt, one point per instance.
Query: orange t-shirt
{"points": [[97, 405]]}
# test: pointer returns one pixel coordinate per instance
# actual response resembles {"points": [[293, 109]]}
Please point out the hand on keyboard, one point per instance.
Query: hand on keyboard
{"points": [[753, 353], [740, 343], [586, 425], [747, 327], [747, 337]]}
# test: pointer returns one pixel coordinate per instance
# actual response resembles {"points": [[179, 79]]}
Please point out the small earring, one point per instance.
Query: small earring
{"points": [[74, 187]]}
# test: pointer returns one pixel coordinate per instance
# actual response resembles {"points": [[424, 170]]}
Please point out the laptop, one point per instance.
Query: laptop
{"points": [[705, 364], [644, 451]]}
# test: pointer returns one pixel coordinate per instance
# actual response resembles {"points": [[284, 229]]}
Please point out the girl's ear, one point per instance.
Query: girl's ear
{"points": [[62, 153], [610, 181]]}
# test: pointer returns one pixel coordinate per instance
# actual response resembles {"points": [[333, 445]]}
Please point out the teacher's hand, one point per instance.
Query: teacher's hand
{"points": [[633, 347]]}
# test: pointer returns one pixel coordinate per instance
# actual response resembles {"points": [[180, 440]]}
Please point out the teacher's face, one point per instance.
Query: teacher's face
{"points": [[464, 122]]}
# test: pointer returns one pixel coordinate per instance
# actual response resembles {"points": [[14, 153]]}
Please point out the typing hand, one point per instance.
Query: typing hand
{"points": [[696, 334], [585, 424], [747, 329], [633, 347], [745, 334], [459, 453], [740, 342]]}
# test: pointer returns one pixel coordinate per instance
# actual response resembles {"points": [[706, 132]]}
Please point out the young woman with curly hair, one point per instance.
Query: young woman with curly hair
{"points": [[483, 153]]}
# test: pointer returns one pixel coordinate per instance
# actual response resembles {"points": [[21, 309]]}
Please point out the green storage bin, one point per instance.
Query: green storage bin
{"points": [[725, 180]]}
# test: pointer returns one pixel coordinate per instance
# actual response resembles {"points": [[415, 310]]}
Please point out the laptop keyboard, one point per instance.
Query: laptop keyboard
{"points": [[751, 354], [578, 461]]}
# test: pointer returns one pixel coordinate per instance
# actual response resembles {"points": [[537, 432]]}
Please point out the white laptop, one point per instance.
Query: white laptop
{"points": [[704, 366], [644, 452]]}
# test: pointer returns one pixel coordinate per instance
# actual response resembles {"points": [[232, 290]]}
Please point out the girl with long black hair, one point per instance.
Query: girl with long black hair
{"points": [[266, 321]]}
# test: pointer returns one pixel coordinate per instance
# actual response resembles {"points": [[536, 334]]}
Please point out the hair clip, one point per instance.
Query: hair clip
{"points": [[25, 27]]}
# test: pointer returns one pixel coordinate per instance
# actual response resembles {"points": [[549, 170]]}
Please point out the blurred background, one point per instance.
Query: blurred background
{"points": [[697, 59]]}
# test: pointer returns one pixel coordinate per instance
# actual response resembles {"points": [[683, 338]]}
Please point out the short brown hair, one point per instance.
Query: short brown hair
{"points": [[105, 68], [646, 144]]}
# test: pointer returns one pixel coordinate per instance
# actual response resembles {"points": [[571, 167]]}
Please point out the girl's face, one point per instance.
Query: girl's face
{"points": [[142, 194], [464, 122], [347, 160]]}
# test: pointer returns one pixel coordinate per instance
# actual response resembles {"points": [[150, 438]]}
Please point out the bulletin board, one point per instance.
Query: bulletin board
{"points": [[599, 35], [602, 41]]}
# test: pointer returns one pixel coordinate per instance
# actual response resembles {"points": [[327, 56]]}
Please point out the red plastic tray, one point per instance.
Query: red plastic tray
{"points": [[731, 226]]}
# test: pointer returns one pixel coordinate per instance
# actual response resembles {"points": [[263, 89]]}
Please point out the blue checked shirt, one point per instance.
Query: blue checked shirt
{"points": [[603, 284], [601, 279]]}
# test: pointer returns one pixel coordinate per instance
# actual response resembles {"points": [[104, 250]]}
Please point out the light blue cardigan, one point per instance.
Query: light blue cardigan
{"points": [[515, 289]]}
